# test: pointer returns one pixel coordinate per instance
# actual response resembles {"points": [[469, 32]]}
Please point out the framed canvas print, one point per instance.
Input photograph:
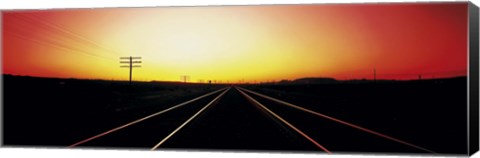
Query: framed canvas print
{"points": [[377, 78]]}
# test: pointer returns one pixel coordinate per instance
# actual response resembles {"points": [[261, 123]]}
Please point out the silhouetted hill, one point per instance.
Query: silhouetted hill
{"points": [[328, 80], [432, 80], [314, 80], [307, 80]]}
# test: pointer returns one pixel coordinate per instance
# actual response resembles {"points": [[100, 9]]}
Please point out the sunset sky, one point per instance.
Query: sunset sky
{"points": [[249, 43]]}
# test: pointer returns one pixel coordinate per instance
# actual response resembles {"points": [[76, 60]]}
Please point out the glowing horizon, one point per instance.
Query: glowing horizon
{"points": [[240, 43]]}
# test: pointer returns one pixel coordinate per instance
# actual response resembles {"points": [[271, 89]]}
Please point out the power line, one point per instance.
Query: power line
{"points": [[60, 46], [60, 33], [64, 32], [78, 36]]}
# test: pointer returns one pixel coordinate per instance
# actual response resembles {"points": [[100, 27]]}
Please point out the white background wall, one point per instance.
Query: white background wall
{"points": [[62, 153]]}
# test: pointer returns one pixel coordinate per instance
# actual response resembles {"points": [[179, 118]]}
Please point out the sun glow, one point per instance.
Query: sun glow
{"points": [[238, 43]]}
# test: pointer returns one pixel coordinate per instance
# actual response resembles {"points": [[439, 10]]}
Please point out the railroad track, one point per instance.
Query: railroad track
{"points": [[236, 118]]}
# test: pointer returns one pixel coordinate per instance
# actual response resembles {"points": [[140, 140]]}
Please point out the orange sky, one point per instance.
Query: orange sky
{"points": [[249, 43]]}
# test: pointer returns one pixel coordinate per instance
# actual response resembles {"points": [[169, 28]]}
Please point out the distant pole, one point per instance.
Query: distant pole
{"points": [[185, 78], [130, 61], [374, 74], [130, 78], [419, 77]]}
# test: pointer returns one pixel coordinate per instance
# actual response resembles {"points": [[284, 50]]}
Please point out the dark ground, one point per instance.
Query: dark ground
{"points": [[428, 113], [60, 112]]}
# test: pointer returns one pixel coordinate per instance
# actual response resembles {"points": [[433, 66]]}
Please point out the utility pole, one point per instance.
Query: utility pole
{"points": [[130, 61], [185, 78], [374, 74]]}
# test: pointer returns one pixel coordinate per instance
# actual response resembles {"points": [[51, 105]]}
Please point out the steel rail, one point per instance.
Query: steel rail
{"points": [[340, 121], [285, 122], [143, 118], [190, 119]]}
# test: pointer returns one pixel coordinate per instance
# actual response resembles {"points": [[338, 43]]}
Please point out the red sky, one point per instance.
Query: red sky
{"points": [[250, 43]]}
